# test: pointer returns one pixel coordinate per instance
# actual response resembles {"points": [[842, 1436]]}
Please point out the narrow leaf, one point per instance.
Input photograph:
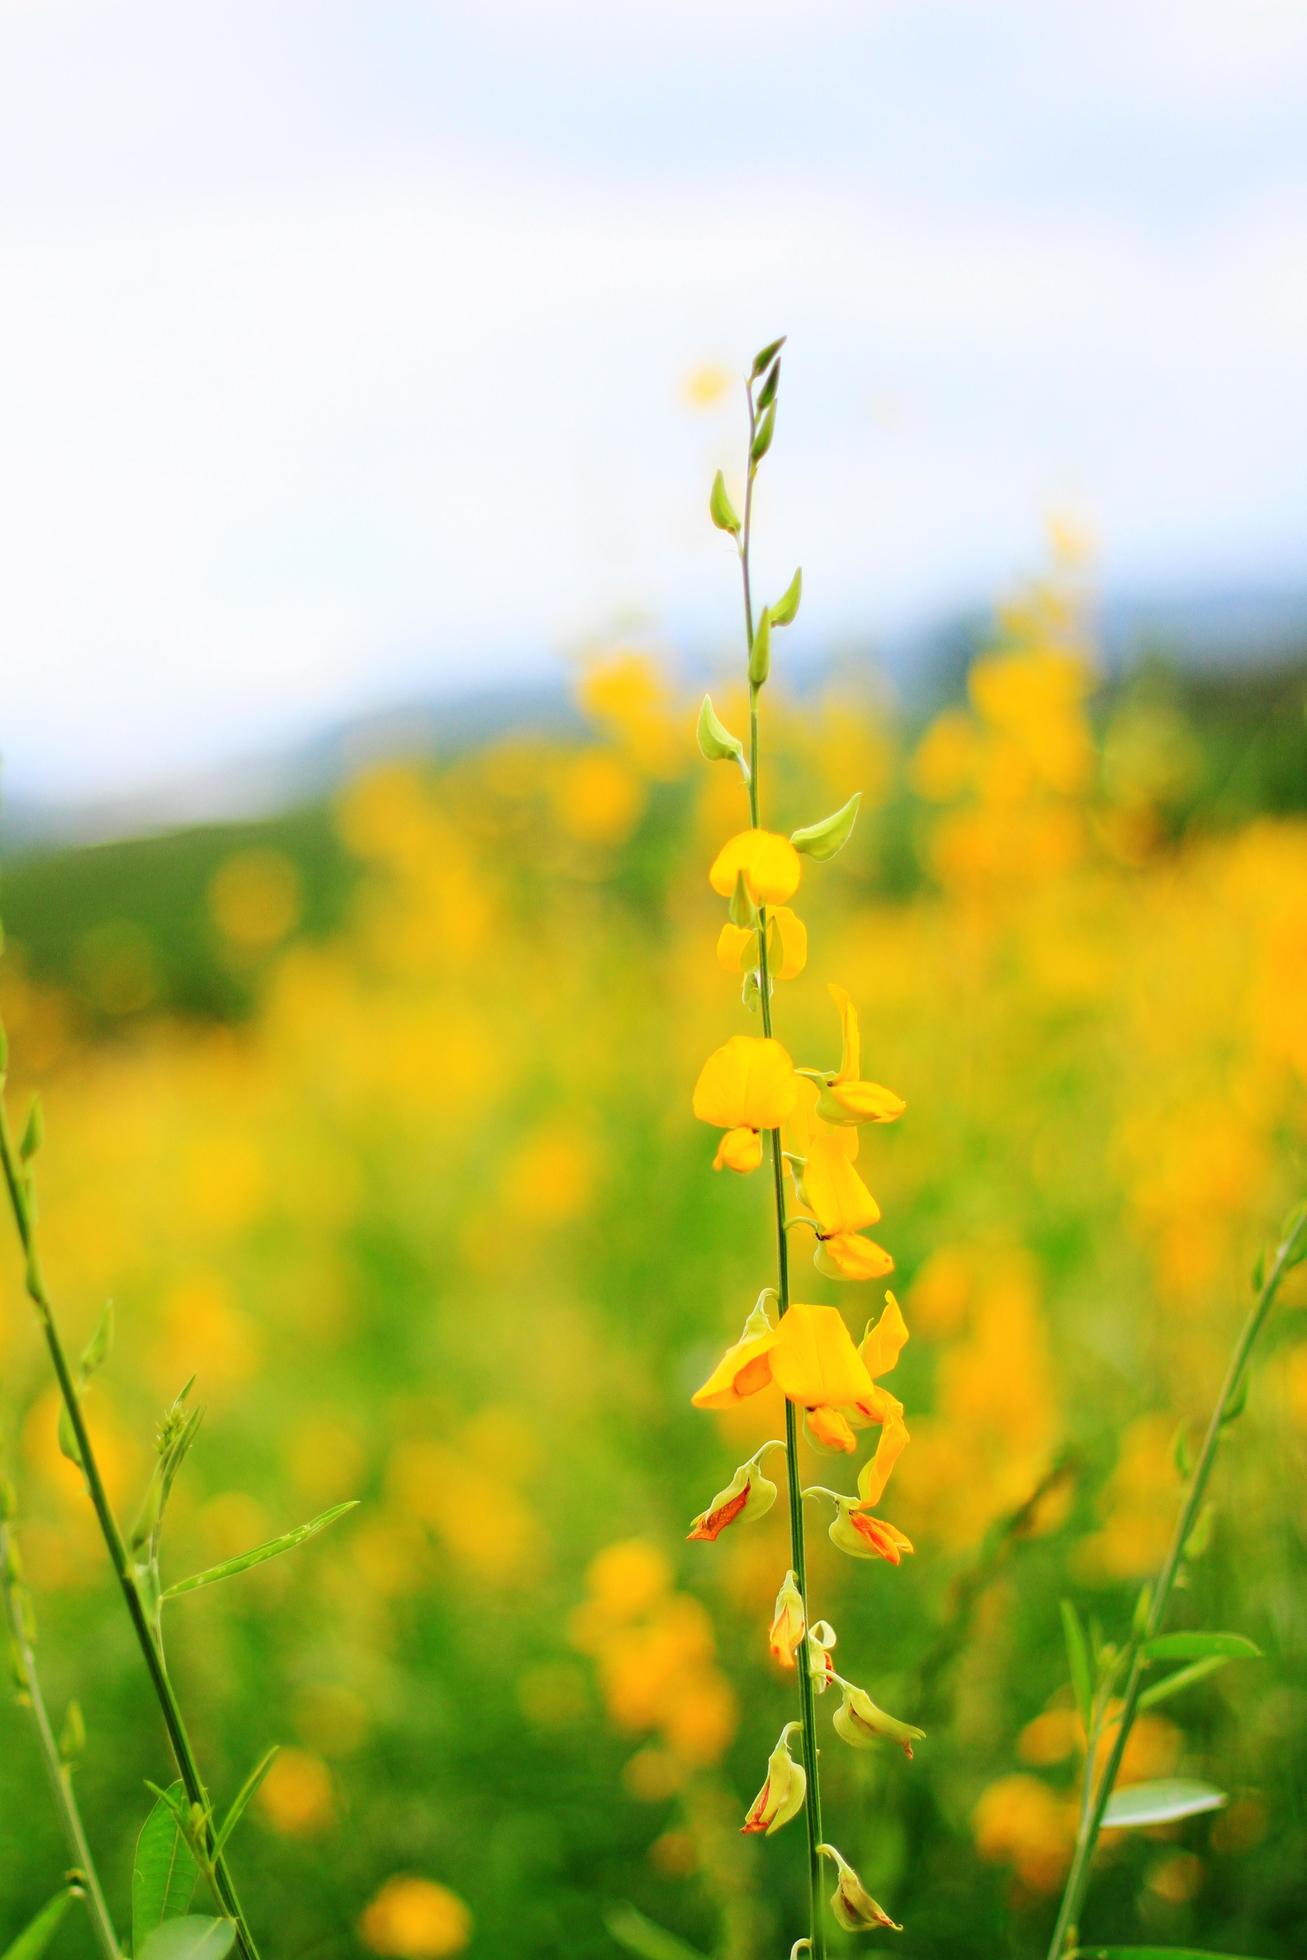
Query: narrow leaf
{"points": [[164, 1871], [1077, 1654], [1198, 1646], [767, 393], [1237, 1400], [1184, 1677], [645, 1938], [189, 1939], [273, 1549], [766, 355], [243, 1795], [1162, 1802], [762, 440], [33, 1131], [822, 840], [38, 1933]]}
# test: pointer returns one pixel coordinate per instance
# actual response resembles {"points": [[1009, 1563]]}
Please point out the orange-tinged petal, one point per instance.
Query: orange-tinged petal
{"points": [[787, 943], [749, 1082], [815, 1362], [883, 1343], [830, 1429], [770, 864], [851, 1045], [737, 948], [833, 1190], [787, 1627], [846, 1255], [885, 1540], [711, 1524], [743, 1369], [739, 1150]]}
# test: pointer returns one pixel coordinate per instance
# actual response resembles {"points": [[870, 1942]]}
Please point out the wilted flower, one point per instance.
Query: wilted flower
{"points": [[862, 1724], [748, 1497], [852, 1903], [781, 1796], [787, 1621]]}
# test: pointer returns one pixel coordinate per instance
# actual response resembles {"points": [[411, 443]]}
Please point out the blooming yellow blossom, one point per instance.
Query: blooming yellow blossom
{"points": [[846, 1097], [745, 1086], [787, 945], [767, 861]]}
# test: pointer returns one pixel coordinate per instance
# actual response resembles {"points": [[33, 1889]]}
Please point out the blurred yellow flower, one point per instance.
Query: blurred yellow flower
{"points": [[415, 1919]]}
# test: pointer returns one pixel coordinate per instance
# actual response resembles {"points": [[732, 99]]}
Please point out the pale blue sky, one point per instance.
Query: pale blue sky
{"points": [[341, 346]]}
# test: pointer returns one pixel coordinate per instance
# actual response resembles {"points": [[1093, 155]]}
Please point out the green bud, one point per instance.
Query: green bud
{"points": [[782, 613], [33, 1131], [767, 355], [767, 393], [743, 911], [721, 509], [762, 440], [72, 1736], [751, 992], [68, 1438], [760, 652], [822, 840], [716, 742], [97, 1349]]}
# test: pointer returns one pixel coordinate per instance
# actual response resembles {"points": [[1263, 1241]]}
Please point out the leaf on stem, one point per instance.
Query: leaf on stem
{"points": [[273, 1549], [1077, 1654], [243, 1795], [165, 1869], [767, 393], [1199, 1646], [766, 355], [762, 440], [189, 1939], [38, 1933], [1160, 1802], [1184, 1677]]}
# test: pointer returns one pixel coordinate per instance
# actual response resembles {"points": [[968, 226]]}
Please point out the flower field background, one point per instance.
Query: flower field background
{"points": [[376, 1117]]}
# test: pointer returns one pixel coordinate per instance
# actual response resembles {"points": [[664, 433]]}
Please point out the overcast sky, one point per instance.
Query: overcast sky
{"points": [[343, 346]]}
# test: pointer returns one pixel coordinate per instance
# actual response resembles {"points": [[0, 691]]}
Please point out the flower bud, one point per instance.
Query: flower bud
{"points": [[716, 742], [821, 1668], [822, 840], [781, 1796], [760, 652], [721, 509], [749, 1495], [787, 1622], [852, 1903], [860, 1723]]}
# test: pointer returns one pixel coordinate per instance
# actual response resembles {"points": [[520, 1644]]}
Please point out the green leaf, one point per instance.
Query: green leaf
{"points": [[1151, 1953], [766, 355], [273, 1549], [1162, 1802], [189, 1939], [97, 1349], [1077, 1654], [767, 393], [68, 1436], [645, 1938], [760, 652], [783, 612], [33, 1131], [822, 840], [1198, 1646], [762, 440], [243, 1795], [1184, 1677], [720, 507], [38, 1933], [716, 742], [164, 1871]]}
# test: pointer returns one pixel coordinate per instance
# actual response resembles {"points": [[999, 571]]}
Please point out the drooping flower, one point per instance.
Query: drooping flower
{"points": [[768, 862], [862, 1724], [856, 1532], [809, 1355], [781, 1796], [852, 1903], [787, 1622], [746, 1086], [845, 1097], [841, 1205], [748, 1497]]}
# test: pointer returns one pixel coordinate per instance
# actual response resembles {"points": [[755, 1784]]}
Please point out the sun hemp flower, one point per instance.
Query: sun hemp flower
{"points": [[845, 1097], [860, 1723], [745, 1086], [767, 861], [852, 1903], [781, 1796], [786, 1630], [748, 1497], [787, 945], [862, 1536], [841, 1206], [809, 1355]]}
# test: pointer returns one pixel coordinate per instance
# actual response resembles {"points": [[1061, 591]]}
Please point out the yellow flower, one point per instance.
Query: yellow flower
{"points": [[846, 1097], [769, 862], [848, 1255], [833, 1190], [749, 1495], [862, 1536], [787, 945], [781, 1796], [744, 1368], [415, 1919], [809, 1356], [787, 1622], [746, 1086]]}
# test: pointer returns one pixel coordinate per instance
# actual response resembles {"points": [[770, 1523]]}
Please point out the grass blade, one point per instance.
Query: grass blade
{"points": [[38, 1933], [273, 1549]]}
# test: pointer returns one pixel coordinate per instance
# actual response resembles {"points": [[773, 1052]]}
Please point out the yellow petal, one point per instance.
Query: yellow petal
{"points": [[787, 943], [830, 1430], [769, 862], [743, 1370], [875, 1473], [815, 1362], [739, 1150], [748, 1083], [884, 1343], [803, 1123], [847, 1255], [851, 1050], [737, 948], [867, 1102], [834, 1191]]}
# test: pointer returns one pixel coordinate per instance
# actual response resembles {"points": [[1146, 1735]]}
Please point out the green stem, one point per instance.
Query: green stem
{"points": [[798, 1552], [84, 1874], [1095, 1804], [214, 1859]]}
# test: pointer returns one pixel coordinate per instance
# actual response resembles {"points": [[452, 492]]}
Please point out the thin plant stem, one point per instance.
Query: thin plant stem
{"points": [[83, 1878], [212, 1857], [798, 1554], [1094, 1799]]}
